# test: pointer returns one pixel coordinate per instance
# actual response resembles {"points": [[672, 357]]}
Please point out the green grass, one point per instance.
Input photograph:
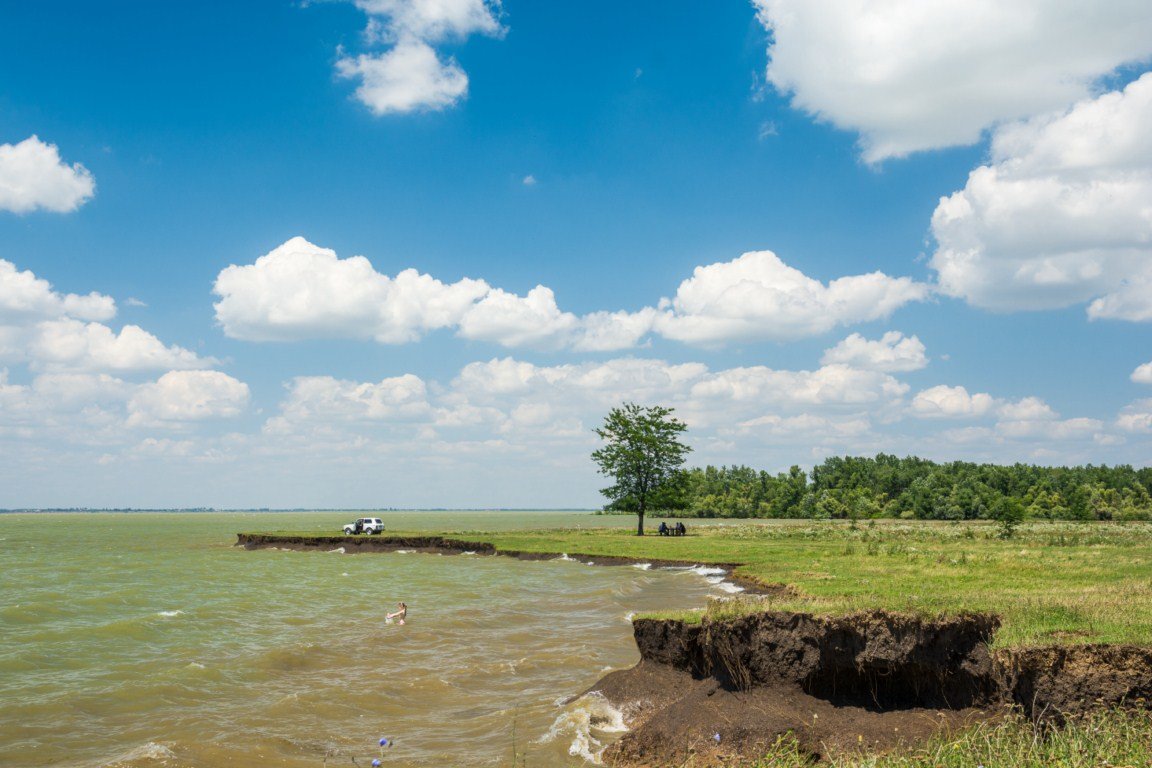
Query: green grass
{"points": [[1118, 739], [1053, 583]]}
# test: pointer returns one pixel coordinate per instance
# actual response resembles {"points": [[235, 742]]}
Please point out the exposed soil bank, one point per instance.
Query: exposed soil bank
{"points": [[865, 681]]}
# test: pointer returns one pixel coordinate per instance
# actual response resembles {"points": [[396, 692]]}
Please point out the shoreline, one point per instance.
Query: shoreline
{"points": [[448, 546], [871, 680]]}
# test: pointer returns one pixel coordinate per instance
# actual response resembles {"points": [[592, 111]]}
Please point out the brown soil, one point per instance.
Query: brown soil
{"points": [[1059, 682], [869, 681], [675, 717]]}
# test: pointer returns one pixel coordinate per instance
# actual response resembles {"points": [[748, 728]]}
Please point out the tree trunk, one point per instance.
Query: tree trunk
{"points": [[640, 524]]}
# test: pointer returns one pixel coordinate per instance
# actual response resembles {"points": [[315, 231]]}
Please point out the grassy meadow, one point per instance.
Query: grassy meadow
{"points": [[1051, 583], [1117, 739]]}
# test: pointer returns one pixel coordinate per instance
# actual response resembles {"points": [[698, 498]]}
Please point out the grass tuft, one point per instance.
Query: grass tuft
{"points": [[1113, 739]]}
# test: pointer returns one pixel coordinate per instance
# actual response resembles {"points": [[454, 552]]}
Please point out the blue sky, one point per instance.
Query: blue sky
{"points": [[814, 228]]}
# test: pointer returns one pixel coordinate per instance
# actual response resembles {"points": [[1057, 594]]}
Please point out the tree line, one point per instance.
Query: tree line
{"points": [[910, 487]]}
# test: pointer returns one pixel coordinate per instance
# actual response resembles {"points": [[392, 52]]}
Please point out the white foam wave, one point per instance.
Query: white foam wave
{"points": [[403, 551], [195, 665], [564, 556], [643, 566], [149, 751], [705, 570], [469, 552], [169, 614], [584, 720], [730, 588], [629, 616], [338, 550]]}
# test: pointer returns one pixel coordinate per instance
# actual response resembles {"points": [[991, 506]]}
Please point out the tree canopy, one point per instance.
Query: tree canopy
{"points": [[910, 487], [641, 453]]}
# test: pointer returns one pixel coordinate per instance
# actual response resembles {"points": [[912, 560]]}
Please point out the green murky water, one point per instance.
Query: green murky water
{"points": [[149, 640]]}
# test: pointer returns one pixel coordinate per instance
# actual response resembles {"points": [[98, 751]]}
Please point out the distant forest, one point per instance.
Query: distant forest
{"points": [[888, 486]]}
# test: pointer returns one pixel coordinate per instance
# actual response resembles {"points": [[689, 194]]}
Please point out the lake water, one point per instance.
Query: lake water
{"points": [[150, 640]]}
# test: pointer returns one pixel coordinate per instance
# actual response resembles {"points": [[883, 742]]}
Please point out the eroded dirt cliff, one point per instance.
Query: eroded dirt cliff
{"points": [[722, 691]]}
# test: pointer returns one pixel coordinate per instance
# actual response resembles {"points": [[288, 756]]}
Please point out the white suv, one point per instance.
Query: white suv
{"points": [[365, 525]]}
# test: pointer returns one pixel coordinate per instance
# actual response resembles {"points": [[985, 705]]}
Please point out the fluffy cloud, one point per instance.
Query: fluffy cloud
{"points": [[532, 320], [1142, 374], [24, 297], [758, 296], [107, 412], [187, 396], [51, 331], [325, 399], [546, 414], [1061, 214], [406, 78], [911, 76], [1136, 417], [1051, 429], [1026, 409], [411, 76], [300, 290], [527, 405], [32, 176], [1028, 420], [432, 20], [503, 419], [892, 353], [946, 402], [84, 390], [73, 345], [829, 385]]}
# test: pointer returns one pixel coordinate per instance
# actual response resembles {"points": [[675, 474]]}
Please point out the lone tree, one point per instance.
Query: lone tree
{"points": [[642, 452]]}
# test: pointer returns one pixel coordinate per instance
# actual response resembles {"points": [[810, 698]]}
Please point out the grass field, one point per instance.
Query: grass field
{"points": [[1051, 583], [1113, 739]]}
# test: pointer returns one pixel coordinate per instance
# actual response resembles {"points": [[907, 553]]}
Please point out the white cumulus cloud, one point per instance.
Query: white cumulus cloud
{"points": [[53, 331], [408, 77], [178, 397], [300, 290], [1028, 420], [411, 75], [1142, 374], [892, 353], [74, 345], [33, 176], [24, 297], [434, 19], [1060, 216], [327, 399], [829, 385], [1026, 409], [945, 402], [1136, 417], [910, 75], [758, 296], [531, 320]]}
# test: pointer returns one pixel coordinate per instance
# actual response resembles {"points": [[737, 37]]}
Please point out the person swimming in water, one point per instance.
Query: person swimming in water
{"points": [[399, 615]]}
